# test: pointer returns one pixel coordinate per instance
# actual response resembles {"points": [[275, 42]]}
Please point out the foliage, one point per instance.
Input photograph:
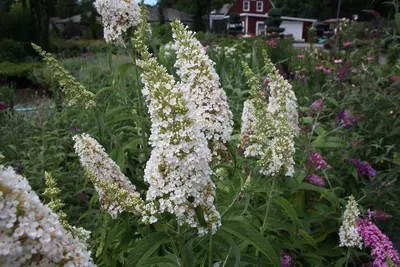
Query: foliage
{"points": [[260, 216], [16, 72]]}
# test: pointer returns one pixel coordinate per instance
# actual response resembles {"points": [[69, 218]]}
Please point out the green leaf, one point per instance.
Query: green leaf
{"points": [[332, 101], [289, 210], [188, 253], [123, 69], [158, 261], [329, 142], [397, 19], [309, 239], [146, 247], [247, 233]]}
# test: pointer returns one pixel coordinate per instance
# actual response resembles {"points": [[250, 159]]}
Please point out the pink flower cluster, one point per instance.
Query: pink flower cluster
{"points": [[272, 43], [378, 215], [318, 162], [287, 260], [318, 105], [380, 245], [324, 69], [315, 180]]}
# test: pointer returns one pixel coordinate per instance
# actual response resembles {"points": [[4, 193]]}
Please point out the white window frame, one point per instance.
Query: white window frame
{"points": [[262, 6], [248, 5]]}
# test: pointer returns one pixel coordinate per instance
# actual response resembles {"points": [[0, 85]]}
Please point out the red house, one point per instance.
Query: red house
{"points": [[254, 13]]}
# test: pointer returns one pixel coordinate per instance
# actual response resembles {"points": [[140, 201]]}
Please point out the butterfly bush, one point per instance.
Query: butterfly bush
{"points": [[317, 162], [75, 92], [56, 205], [178, 171], [116, 192], [315, 180], [117, 16], [287, 259], [382, 250], [196, 70], [348, 233], [378, 215], [31, 233], [363, 168], [272, 122]]}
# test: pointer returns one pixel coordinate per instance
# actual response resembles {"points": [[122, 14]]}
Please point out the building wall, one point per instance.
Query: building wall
{"points": [[237, 7], [294, 28]]}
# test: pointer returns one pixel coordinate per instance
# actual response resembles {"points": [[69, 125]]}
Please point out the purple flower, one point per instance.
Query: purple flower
{"points": [[363, 168], [338, 61], [342, 72], [287, 260], [75, 128], [315, 180], [380, 245], [345, 121], [296, 75], [318, 105], [317, 161], [305, 80], [3, 105], [378, 215]]}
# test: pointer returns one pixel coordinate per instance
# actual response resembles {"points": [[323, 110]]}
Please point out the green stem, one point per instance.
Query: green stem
{"points": [[210, 252], [347, 257], [326, 177], [181, 246]]}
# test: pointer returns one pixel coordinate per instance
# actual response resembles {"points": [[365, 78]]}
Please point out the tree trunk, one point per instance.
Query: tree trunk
{"points": [[40, 22]]}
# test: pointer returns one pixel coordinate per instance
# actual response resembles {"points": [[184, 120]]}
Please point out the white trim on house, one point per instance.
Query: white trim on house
{"points": [[262, 6], [258, 23], [248, 5], [266, 16], [247, 25]]}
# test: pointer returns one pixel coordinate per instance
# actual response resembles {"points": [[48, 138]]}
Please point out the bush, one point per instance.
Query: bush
{"points": [[77, 47], [12, 51], [163, 33], [13, 72]]}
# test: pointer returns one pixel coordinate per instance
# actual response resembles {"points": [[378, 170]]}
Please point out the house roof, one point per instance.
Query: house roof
{"points": [[169, 15], [74, 19], [221, 11]]}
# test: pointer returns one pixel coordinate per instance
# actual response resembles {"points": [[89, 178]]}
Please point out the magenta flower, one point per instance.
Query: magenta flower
{"points": [[318, 105], [315, 180], [378, 215], [266, 81], [394, 78], [3, 105], [272, 43], [338, 61], [363, 168], [287, 259], [318, 162], [346, 121], [347, 44], [327, 70], [342, 72], [380, 245], [319, 67], [370, 58], [300, 56]]}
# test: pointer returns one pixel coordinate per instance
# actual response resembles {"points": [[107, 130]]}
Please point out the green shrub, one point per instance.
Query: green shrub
{"points": [[163, 33], [12, 51], [393, 54], [14, 72], [77, 47]]}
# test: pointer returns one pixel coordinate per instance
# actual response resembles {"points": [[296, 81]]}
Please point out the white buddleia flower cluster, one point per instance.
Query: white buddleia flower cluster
{"points": [[196, 70], [117, 16], [31, 234], [348, 233], [116, 192], [178, 170], [270, 122]]}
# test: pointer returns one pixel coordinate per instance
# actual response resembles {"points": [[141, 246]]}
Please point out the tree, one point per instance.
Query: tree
{"points": [[66, 8], [274, 22]]}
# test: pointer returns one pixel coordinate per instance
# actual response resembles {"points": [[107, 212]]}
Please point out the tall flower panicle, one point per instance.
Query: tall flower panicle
{"points": [[178, 170], [74, 91], [117, 16], [31, 233], [382, 250], [363, 168], [348, 233], [116, 192], [317, 161], [274, 124], [196, 70], [56, 205]]}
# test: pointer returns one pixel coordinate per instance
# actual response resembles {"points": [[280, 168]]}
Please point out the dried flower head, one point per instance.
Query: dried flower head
{"points": [[348, 233], [31, 233]]}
